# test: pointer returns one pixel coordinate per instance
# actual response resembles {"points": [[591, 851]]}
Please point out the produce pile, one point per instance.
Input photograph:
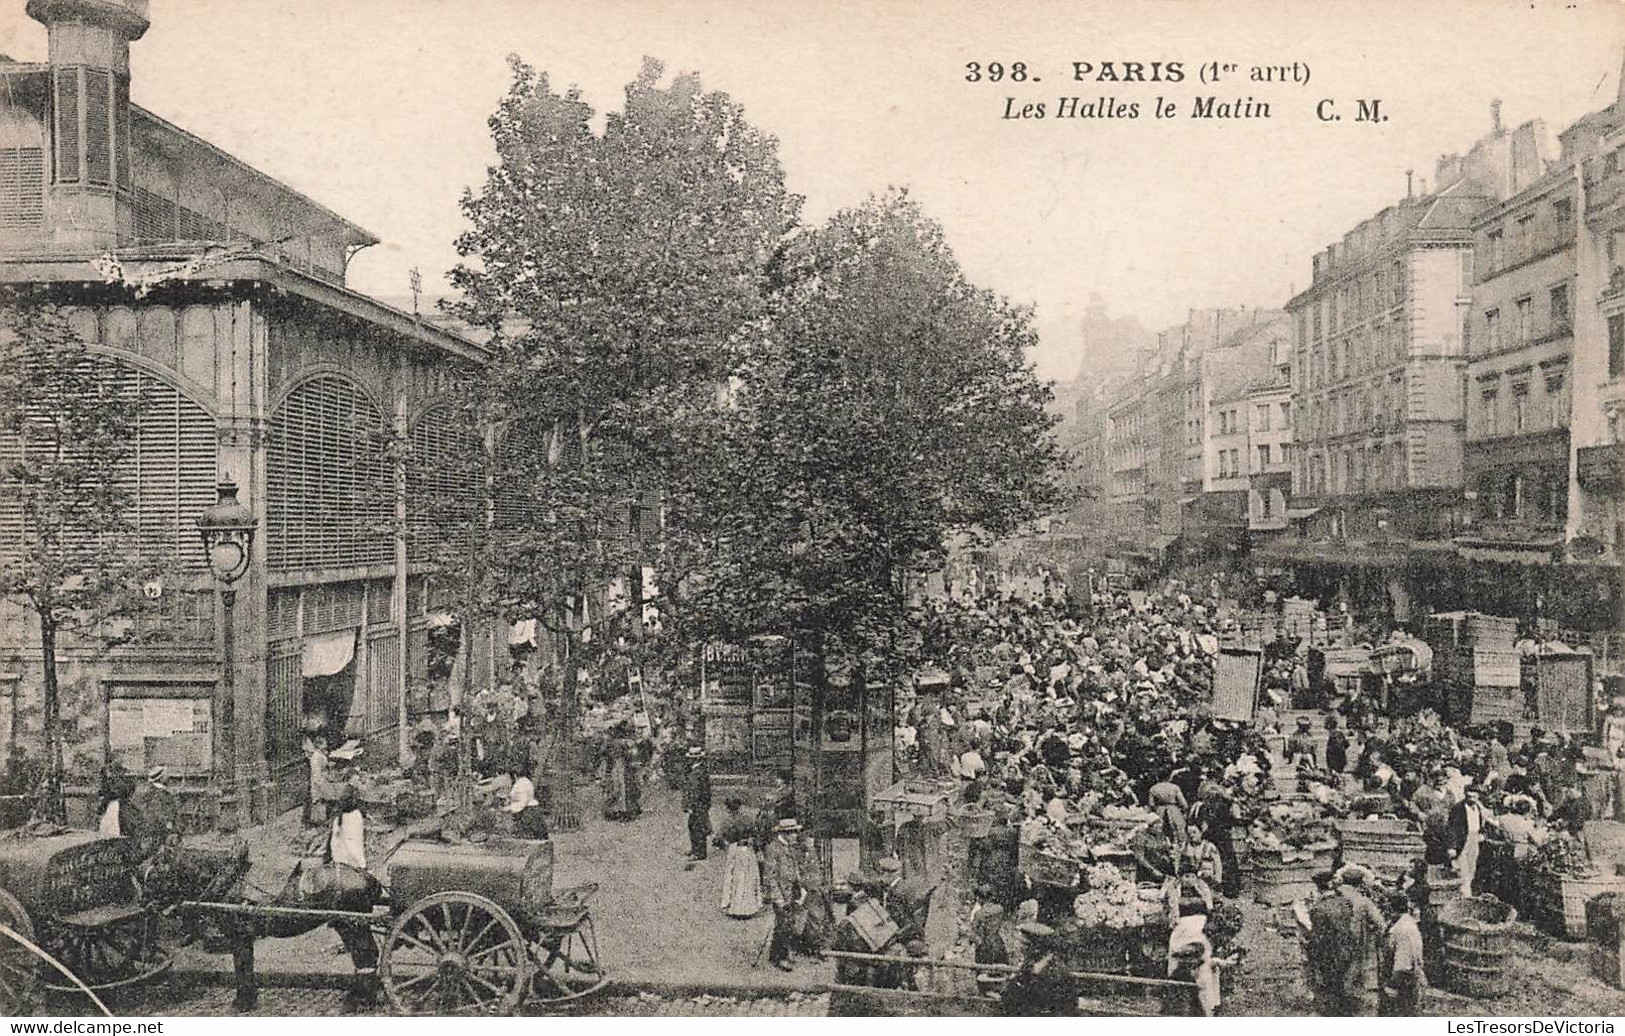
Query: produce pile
{"points": [[1112, 901], [1562, 857], [1299, 826]]}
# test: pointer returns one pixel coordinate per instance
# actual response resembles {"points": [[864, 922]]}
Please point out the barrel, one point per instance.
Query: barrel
{"points": [[1477, 936], [1440, 887], [1281, 876]]}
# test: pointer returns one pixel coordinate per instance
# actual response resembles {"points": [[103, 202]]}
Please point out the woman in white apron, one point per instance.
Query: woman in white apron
{"points": [[741, 875]]}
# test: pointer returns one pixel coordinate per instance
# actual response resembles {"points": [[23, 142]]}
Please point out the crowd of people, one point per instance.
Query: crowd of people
{"points": [[1054, 705]]}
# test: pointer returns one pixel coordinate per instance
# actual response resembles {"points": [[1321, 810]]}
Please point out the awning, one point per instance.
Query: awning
{"points": [[327, 654], [1185, 500], [1297, 513], [1162, 543], [523, 633]]}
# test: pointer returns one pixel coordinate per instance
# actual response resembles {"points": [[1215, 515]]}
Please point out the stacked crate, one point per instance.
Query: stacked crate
{"points": [[1482, 672], [1298, 618]]}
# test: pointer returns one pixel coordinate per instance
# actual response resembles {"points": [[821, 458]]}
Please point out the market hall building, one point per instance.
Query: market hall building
{"points": [[220, 293]]}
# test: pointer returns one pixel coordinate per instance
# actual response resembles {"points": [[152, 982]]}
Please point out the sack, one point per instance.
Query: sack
{"points": [[1331, 936]]}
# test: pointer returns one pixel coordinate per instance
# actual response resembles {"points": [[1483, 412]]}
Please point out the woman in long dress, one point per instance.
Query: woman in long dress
{"points": [[741, 875]]}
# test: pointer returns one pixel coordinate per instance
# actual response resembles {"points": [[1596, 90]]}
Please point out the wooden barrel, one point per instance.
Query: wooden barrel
{"points": [[1477, 935], [1281, 876], [1440, 887]]}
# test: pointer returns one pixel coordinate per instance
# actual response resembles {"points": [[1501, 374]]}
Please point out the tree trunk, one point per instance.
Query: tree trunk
{"points": [[50, 804], [465, 738]]}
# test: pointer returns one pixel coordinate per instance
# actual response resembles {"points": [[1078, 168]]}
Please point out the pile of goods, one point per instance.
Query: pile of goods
{"points": [[1297, 826], [1113, 901]]}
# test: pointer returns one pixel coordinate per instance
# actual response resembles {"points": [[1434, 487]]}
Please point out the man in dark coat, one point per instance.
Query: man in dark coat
{"points": [[781, 888], [697, 803], [1337, 747]]}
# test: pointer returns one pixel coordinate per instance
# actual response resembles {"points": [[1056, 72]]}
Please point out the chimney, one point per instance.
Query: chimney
{"points": [[1495, 116], [1408, 174]]}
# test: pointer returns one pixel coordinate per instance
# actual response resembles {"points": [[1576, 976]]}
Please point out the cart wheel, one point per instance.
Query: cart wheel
{"points": [[19, 968], [455, 953], [104, 956], [567, 964]]}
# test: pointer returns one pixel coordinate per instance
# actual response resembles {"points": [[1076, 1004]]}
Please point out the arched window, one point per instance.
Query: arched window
{"points": [[329, 491], [169, 472]]}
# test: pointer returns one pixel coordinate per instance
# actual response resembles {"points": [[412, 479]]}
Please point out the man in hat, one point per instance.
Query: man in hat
{"points": [[1404, 977], [697, 804], [529, 820], [1300, 747], [782, 890], [157, 818], [1367, 928]]}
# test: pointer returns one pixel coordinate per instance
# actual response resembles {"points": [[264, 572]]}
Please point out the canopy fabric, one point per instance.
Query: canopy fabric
{"points": [[327, 654]]}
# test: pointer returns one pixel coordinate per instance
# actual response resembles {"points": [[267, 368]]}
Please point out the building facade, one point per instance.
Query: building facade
{"points": [[1520, 340], [1270, 442], [1380, 358], [221, 293]]}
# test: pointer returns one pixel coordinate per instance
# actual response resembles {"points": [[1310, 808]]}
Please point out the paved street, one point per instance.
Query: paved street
{"points": [[657, 921], [213, 1001]]}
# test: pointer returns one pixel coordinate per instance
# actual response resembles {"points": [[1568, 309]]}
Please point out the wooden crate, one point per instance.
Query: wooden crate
{"points": [[1562, 900], [1486, 668], [1563, 699], [1492, 632], [1047, 868]]}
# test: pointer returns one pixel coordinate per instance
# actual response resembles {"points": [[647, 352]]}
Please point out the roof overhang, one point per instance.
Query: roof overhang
{"points": [[225, 269]]}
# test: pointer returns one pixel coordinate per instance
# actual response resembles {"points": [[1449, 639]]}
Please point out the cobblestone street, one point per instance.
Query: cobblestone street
{"points": [[176, 999]]}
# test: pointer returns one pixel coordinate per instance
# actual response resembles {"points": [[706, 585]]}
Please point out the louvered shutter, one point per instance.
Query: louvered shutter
{"points": [[22, 188], [67, 125], [154, 216], [121, 128], [98, 127], [169, 472], [328, 487], [441, 476]]}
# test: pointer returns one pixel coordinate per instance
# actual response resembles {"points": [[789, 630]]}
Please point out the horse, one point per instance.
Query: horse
{"points": [[222, 875]]}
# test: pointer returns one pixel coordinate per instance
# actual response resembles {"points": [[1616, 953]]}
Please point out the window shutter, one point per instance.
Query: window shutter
{"points": [[121, 128], [328, 486], [169, 472], [440, 491], [22, 188], [67, 125], [98, 127]]}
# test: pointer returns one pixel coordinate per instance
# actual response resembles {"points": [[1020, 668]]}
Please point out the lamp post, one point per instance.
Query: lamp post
{"points": [[227, 532]]}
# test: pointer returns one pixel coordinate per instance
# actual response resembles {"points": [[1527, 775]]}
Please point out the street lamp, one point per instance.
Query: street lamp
{"points": [[227, 532]]}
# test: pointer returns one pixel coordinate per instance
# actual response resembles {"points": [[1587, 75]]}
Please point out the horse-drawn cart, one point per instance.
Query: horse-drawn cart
{"points": [[478, 927], [76, 897], [460, 928]]}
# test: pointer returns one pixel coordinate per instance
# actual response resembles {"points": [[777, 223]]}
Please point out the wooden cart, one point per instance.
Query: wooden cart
{"points": [[76, 896], [478, 928]]}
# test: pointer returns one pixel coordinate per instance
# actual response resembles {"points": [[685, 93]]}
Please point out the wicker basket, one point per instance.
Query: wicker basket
{"points": [[1389, 847], [975, 823], [1477, 937], [1283, 875]]}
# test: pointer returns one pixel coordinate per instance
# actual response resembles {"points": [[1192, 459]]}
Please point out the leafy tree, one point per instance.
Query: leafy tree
{"points": [[616, 273], [887, 407], [67, 428]]}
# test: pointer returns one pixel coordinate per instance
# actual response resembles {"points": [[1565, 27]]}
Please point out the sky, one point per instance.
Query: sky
{"points": [[377, 109]]}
